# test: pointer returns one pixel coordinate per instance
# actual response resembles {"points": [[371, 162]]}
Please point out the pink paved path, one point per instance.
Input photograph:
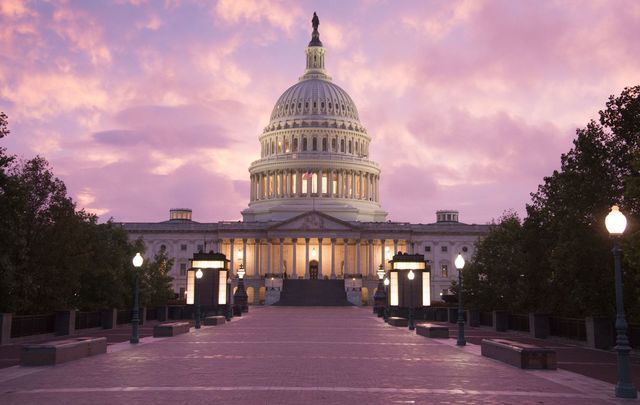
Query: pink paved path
{"points": [[293, 355]]}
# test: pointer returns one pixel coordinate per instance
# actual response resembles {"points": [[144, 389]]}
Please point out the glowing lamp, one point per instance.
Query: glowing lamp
{"points": [[199, 274], [459, 262], [615, 221], [241, 271], [411, 275], [137, 260]]}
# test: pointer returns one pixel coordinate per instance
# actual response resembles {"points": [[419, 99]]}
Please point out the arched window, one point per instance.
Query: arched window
{"points": [[295, 144], [324, 144], [342, 145], [315, 143], [333, 144], [350, 146], [304, 144], [273, 147]]}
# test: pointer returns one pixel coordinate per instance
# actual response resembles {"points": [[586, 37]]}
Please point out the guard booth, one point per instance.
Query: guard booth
{"points": [[212, 288], [409, 286]]}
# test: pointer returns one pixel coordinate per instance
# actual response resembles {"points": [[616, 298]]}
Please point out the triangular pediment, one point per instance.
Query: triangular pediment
{"points": [[311, 221]]}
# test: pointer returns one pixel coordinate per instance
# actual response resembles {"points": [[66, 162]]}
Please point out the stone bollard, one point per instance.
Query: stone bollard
{"points": [[473, 317], [109, 318], [5, 328], [65, 323], [500, 321], [539, 325], [599, 332]]}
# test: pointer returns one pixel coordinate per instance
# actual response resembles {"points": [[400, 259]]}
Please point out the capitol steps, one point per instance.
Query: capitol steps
{"points": [[313, 293]]}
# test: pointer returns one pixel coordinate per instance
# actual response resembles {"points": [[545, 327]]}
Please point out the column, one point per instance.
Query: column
{"points": [[320, 258], [287, 183], [281, 184], [346, 258], [330, 183], [269, 256], [372, 267], [358, 267], [339, 190], [219, 245], [251, 185], [353, 184], [361, 188], [256, 257], [395, 246], [384, 265], [378, 188], [299, 183], [294, 275], [333, 259], [244, 254], [306, 258], [282, 257], [231, 262], [309, 184]]}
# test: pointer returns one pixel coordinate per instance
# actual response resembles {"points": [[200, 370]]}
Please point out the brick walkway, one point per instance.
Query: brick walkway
{"points": [[294, 355]]}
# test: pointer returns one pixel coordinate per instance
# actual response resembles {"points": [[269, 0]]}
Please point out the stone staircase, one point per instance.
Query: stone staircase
{"points": [[313, 293]]}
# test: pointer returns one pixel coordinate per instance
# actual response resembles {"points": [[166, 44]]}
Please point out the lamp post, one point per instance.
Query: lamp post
{"points": [[459, 263], [197, 297], [240, 297], [380, 296], [412, 322], [386, 301], [616, 224], [228, 306], [135, 320]]}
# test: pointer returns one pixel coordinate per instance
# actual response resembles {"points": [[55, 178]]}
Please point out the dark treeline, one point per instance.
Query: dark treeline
{"points": [[558, 259], [53, 256]]}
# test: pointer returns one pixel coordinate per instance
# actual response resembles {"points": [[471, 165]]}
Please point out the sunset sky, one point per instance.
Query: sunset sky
{"points": [[142, 106]]}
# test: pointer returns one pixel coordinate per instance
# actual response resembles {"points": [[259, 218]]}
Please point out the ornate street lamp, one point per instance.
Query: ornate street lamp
{"points": [[616, 224], [412, 322], [459, 263], [240, 297], [197, 297], [137, 263], [379, 297]]}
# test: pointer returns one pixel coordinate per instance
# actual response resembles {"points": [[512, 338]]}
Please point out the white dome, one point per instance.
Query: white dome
{"points": [[314, 99]]}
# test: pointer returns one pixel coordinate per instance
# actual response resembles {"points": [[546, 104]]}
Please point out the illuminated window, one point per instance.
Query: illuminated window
{"points": [[286, 146], [444, 270], [314, 183], [324, 183], [335, 184], [294, 182], [304, 186]]}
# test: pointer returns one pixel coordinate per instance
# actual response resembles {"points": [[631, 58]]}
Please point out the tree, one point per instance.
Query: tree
{"points": [[155, 283], [493, 279]]}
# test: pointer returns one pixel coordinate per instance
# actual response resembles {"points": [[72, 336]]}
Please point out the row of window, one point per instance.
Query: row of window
{"points": [[445, 249], [332, 108], [278, 146]]}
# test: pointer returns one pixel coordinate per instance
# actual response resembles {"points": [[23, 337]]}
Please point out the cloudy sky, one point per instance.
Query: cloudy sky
{"points": [[141, 106]]}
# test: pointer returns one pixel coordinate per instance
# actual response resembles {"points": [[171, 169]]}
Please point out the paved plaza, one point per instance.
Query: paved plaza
{"points": [[296, 355]]}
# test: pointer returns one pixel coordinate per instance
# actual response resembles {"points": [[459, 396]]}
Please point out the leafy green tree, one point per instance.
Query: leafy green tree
{"points": [[155, 283], [494, 277]]}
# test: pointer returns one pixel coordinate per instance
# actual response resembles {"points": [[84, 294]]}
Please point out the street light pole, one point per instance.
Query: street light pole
{"points": [[386, 300], [135, 320], [459, 263], [616, 224], [412, 323], [197, 297]]}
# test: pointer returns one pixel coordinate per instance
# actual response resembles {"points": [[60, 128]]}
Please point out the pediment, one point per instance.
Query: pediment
{"points": [[311, 221]]}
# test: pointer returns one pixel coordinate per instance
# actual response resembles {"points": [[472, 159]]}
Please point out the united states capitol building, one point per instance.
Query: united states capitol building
{"points": [[314, 206]]}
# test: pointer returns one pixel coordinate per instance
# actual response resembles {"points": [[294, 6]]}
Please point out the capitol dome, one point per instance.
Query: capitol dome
{"points": [[314, 152]]}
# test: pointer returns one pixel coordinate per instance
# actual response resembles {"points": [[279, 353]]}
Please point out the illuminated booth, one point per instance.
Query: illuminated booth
{"points": [[409, 286], [211, 288]]}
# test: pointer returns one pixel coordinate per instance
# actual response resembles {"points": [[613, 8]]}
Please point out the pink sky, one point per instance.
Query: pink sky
{"points": [[142, 106]]}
